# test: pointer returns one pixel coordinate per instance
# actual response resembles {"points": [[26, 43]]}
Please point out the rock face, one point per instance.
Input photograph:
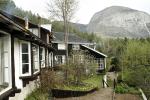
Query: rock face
{"points": [[119, 21]]}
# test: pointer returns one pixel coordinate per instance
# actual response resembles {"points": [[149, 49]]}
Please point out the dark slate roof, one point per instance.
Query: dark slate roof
{"points": [[72, 38], [9, 25]]}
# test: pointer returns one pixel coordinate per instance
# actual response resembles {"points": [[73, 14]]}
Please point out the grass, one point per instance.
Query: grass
{"points": [[95, 80], [37, 95], [92, 82]]}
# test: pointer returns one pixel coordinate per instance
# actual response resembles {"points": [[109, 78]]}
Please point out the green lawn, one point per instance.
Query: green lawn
{"points": [[90, 83], [96, 81]]}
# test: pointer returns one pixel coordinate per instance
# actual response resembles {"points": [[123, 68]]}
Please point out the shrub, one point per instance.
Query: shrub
{"points": [[124, 88], [121, 89]]}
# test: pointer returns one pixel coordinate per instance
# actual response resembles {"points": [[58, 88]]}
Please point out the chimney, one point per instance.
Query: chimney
{"points": [[26, 23]]}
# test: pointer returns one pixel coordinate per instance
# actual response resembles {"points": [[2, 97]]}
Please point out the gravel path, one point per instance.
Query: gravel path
{"points": [[127, 97], [102, 94]]}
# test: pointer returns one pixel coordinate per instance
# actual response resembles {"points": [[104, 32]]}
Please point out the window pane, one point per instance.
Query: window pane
{"points": [[25, 68], [41, 53], [36, 66], [25, 58], [24, 48], [35, 50]]}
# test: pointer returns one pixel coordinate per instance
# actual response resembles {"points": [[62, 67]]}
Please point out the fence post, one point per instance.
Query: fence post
{"points": [[114, 86], [105, 81]]}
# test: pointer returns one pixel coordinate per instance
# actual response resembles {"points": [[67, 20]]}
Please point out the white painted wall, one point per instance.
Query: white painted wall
{"points": [[6, 63], [18, 82], [61, 46], [24, 91]]}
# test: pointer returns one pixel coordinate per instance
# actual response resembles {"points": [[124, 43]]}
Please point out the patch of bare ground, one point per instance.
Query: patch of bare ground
{"points": [[127, 97]]}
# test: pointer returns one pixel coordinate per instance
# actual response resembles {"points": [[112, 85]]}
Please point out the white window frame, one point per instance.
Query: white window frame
{"points": [[51, 59], [48, 38], [37, 61], [35, 31], [9, 66], [43, 57], [75, 47], [29, 58], [63, 59], [61, 46]]}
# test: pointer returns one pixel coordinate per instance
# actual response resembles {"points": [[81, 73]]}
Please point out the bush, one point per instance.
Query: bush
{"points": [[119, 78], [124, 88], [121, 89]]}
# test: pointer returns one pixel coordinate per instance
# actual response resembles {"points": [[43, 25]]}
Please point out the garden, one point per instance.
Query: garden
{"points": [[75, 78]]}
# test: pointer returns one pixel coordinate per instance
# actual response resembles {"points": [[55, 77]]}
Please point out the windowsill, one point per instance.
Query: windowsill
{"points": [[5, 90], [30, 77], [43, 67], [36, 72]]}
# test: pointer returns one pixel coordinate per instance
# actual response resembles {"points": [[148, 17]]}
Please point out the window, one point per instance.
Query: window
{"points": [[60, 59], [61, 46], [51, 59], [75, 47], [25, 58], [35, 51], [5, 58], [35, 31], [101, 64], [48, 39], [42, 57]]}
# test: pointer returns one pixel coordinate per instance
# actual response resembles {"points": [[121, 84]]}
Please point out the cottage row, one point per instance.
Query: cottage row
{"points": [[26, 48]]}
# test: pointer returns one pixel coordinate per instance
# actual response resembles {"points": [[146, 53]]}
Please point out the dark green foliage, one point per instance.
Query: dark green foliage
{"points": [[133, 58], [115, 64], [10, 7], [124, 88]]}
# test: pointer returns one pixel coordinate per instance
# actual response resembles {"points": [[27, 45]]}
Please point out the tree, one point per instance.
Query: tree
{"points": [[63, 10], [7, 5]]}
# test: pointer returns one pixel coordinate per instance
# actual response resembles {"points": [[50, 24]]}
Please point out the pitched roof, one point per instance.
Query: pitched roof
{"points": [[94, 50], [8, 22], [72, 38]]}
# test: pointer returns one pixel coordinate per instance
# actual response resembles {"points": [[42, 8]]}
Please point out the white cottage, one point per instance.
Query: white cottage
{"points": [[25, 49]]}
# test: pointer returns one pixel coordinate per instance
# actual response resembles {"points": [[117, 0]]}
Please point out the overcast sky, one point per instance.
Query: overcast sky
{"points": [[86, 8]]}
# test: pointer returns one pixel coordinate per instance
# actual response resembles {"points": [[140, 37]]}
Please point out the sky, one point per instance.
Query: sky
{"points": [[86, 8]]}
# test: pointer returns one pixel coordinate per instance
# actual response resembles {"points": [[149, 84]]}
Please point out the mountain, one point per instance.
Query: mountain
{"points": [[117, 21]]}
